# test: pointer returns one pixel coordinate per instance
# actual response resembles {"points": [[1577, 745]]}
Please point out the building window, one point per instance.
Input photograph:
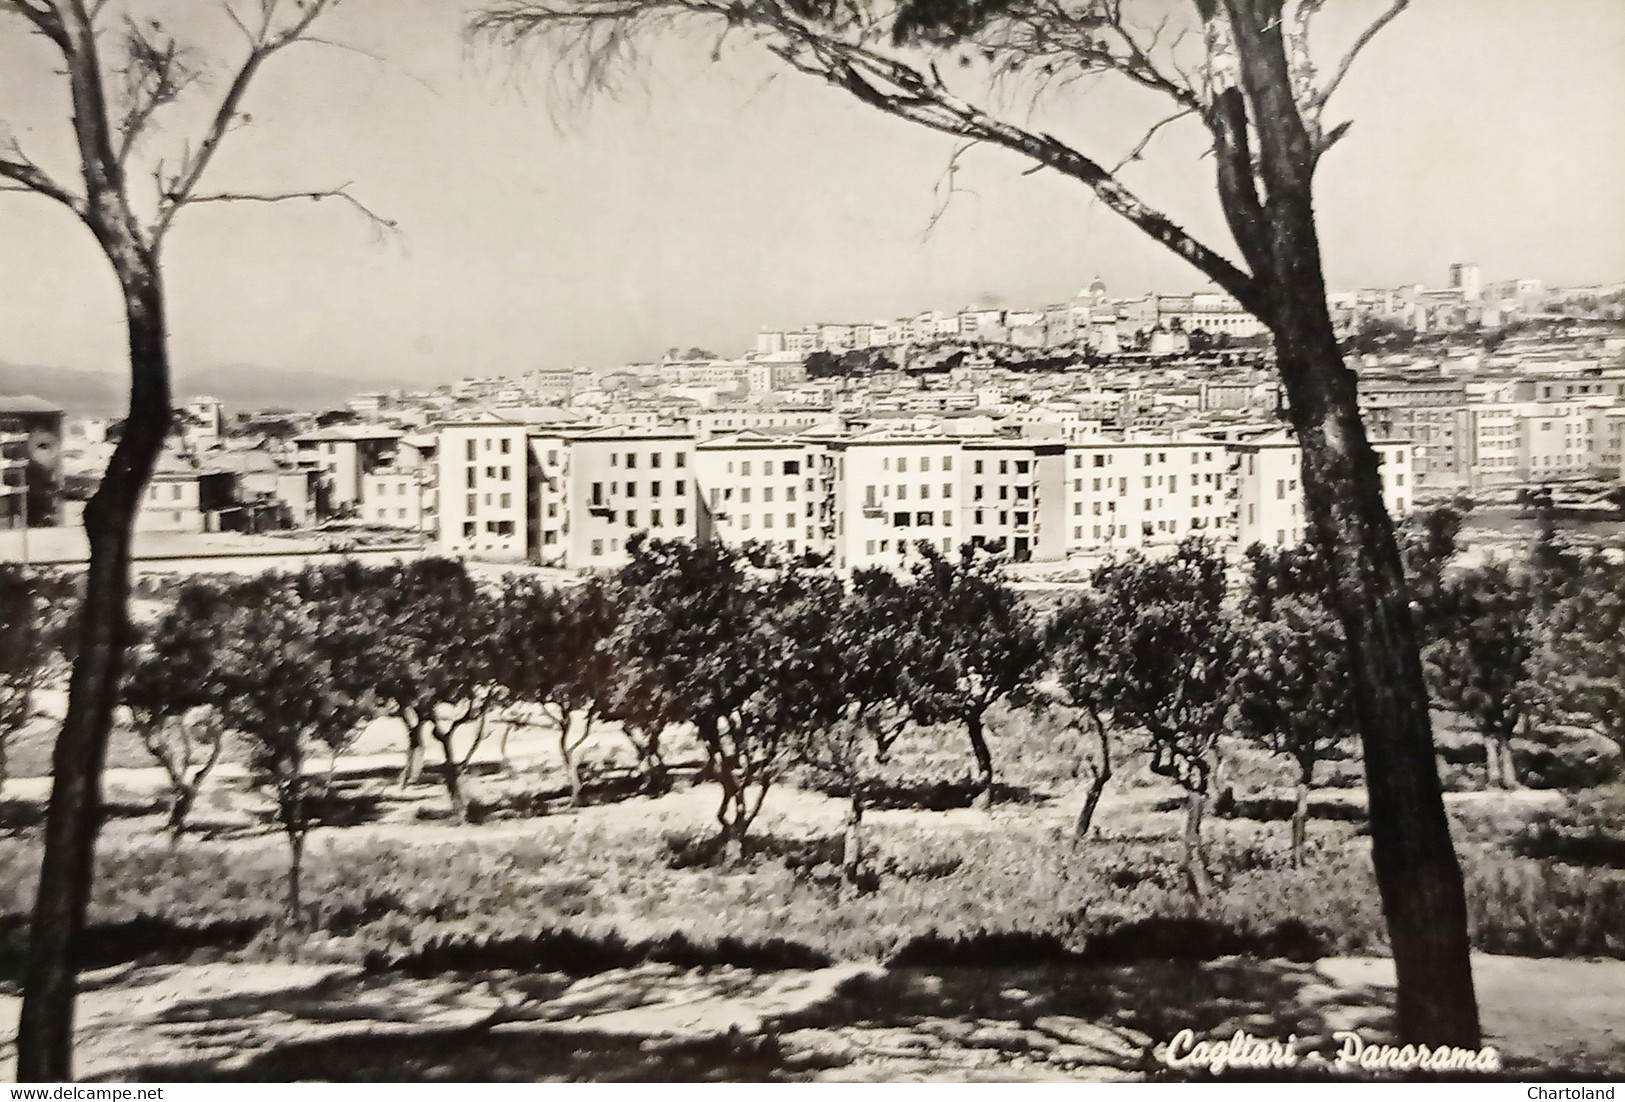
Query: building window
{"points": [[654, 518], [947, 463], [597, 547], [470, 451], [631, 461], [507, 501], [473, 503], [744, 468], [654, 460], [680, 460], [680, 517], [506, 445], [631, 518], [977, 467]]}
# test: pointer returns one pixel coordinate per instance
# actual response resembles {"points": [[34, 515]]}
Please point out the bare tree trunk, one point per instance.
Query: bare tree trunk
{"points": [[296, 865], [45, 1031], [413, 766], [1194, 853], [1300, 819], [452, 773], [1508, 767], [179, 807], [1418, 875], [984, 758], [852, 839], [1097, 786]]}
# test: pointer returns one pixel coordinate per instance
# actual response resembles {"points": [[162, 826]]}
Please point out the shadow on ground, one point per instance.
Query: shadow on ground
{"points": [[664, 1022]]}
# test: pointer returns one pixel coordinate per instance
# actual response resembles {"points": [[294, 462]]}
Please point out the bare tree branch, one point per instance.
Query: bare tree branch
{"points": [[30, 177], [1139, 150], [381, 224], [266, 41], [45, 17], [946, 188], [156, 73], [1325, 93]]}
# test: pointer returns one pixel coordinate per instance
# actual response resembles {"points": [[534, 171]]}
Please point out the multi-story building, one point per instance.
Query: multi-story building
{"points": [[486, 490], [617, 483], [772, 490], [1145, 491], [346, 454], [1432, 414], [893, 490], [1269, 496], [1014, 497], [184, 495], [30, 461]]}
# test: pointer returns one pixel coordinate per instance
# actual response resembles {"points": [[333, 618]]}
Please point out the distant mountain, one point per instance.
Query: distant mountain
{"points": [[240, 386]]}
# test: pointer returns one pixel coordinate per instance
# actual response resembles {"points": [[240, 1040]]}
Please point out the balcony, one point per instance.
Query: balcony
{"points": [[874, 511]]}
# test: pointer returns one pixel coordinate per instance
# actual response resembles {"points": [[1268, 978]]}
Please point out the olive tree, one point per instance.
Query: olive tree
{"points": [[1170, 649], [172, 691]]}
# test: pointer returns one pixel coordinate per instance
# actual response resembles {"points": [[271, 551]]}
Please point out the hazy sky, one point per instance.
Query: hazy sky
{"points": [[718, 201]]}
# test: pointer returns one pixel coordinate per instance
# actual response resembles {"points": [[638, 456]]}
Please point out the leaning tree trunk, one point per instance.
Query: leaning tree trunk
{"points": [[45, 1031], [1097, 786], [1418, 875], [452, 773], [984, 758], [412, 768]]}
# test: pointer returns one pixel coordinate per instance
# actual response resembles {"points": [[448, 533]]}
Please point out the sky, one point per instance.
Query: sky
{"points": [[723, 196]]}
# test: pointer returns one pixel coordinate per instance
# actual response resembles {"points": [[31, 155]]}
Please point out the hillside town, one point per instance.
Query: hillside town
{"points": [[1055, 434]]}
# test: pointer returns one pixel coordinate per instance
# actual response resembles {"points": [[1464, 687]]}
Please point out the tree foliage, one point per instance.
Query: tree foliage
{"points": [[34, 617], [976, 643], [1293, 687], [173, 691], [1169, 649], [1481, 662], [296, 679], [557, 655], [438, 651]]}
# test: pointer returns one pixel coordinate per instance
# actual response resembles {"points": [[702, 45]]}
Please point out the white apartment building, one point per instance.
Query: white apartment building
{"points": [[892, 491], [485, 488], [398, 498], [1146, 492], [1015, 498], [1512, 443], [1269, 495], [770, 490], [617, 483]]}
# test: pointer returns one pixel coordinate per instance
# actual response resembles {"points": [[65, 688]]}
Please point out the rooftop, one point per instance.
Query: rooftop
{"points": [[26, 403]]}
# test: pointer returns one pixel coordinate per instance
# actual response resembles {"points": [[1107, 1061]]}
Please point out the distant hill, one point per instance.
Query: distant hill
{"points": [[240, 386]]}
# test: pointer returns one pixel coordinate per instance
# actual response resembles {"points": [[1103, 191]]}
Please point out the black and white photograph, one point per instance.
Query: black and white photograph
{"points": [[812, 541]]}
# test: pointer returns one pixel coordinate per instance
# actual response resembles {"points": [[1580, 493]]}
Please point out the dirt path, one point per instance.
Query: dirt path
{"points": [[854, 1022]]}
